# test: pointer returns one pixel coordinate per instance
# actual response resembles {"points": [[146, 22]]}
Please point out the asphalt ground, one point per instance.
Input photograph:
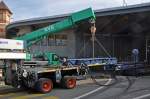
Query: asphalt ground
{"points": [[83, 86], [126, 88], [123, 88]]}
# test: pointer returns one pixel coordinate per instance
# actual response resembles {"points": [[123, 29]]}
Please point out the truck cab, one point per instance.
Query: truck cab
{"points": [[11, 55]]}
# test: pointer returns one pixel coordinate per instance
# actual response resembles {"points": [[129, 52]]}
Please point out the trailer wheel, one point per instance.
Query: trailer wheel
{"points": [[69, 82], [44, 85]]}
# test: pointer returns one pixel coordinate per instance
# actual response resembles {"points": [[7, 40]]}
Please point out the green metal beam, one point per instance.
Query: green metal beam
{"points": [[56, 27]]}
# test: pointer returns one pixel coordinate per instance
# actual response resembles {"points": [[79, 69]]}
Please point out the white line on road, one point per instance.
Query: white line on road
{"points": [[93, 91], [143, 96]]}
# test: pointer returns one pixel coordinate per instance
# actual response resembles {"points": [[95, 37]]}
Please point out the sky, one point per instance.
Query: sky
{"points": [[25, 9]]}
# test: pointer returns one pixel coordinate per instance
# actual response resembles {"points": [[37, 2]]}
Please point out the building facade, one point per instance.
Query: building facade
{"points": [[119, 31], [5, 17]]}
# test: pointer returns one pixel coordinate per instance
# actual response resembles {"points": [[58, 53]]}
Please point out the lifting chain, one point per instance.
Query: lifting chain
{"points": [[93, 31], [93, 27]]}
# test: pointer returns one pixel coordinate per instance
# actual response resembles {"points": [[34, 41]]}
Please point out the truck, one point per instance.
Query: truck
{"points": [[41, 70]]}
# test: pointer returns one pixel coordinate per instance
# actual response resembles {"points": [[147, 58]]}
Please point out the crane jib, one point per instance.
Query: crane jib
{"points": [[35, 36]]}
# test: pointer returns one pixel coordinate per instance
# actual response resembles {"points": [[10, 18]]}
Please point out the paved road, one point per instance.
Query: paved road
{"points": [[57, 93], [125, 88]]}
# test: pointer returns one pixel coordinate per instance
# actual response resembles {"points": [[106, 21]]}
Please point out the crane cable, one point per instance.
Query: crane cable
{"points": [[93, 31], [113, 74]]}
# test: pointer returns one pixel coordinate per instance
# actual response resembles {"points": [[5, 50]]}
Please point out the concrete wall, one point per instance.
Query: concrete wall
{"points": [[65, 50], [79, 45], [84, 46], [120, 47]]}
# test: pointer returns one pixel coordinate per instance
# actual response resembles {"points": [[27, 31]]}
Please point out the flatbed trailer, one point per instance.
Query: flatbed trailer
{"points": [[38, 76], [99, 63], [93, 61], [38, 70]]}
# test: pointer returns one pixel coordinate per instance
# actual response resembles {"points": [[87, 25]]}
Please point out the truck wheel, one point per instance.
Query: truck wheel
{"points": [[69, 82], [44, 85]]}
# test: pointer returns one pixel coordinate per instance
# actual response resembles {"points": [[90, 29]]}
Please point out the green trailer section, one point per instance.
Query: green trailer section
{"points": [[35, 36], [52, 58]]}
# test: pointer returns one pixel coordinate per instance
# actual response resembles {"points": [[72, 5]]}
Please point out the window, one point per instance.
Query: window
{"points": [[2, 30], [51, 40], [57, 40], [44, 42], [54, 40], [61, 40], [1, 16], [8, 18]]}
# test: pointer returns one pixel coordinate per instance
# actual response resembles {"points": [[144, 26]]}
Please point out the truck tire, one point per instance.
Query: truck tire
{"points": [[69, 82], [44, 85]]}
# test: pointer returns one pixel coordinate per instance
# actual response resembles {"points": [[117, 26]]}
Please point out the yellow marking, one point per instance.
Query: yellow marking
{"points": [[54, 70], [46, 71], [51, 97], [71, 68], [6, 95], [96, 65], [28, 96]]}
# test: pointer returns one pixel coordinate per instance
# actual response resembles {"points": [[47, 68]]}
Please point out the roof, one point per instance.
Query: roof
{"points": [[3, 6], [100, 12]]}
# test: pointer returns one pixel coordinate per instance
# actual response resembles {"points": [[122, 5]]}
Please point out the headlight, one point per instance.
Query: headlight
{"points": [[25, 74]]}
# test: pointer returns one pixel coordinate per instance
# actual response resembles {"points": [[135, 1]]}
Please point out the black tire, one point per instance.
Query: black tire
{"points": [[44, 85], [69, 82], [84, 69]]}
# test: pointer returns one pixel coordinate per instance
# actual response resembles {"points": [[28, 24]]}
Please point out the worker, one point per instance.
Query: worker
{"points": [[64, 61], [135, 53]]}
